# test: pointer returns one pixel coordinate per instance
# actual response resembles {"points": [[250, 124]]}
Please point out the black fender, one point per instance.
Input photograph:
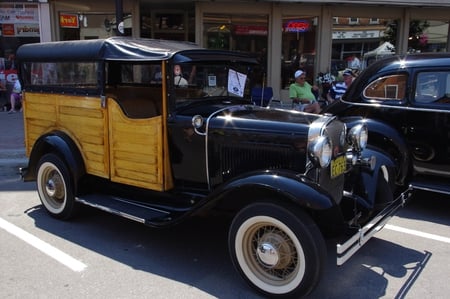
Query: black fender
{"points": [[386, 138], [286, 184], [61, 144], [384, 166]]}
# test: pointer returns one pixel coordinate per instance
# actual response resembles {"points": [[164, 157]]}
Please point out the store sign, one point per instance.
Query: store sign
{"points": [[357, 34], [27, 30], [8, 30], [24, 14], [297, 26], [250, 30], [68, 21]]}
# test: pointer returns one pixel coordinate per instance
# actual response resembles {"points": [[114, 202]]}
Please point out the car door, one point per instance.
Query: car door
{"points": [[428, 122]]}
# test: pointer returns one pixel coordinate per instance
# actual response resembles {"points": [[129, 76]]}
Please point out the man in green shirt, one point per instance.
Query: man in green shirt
{"points": [[301, 93]]}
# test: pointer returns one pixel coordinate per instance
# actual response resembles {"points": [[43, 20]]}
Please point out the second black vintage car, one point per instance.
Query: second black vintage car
{"points": [[405, 101], [159, 131]]}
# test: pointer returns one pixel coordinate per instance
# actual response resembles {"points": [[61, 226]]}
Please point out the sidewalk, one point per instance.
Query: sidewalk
{"points": [[12, 143]]}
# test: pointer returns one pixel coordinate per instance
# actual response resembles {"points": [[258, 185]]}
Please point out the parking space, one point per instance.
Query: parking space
{"points": [[122, 259]]}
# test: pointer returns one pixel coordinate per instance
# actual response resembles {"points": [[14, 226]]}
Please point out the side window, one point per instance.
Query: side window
{"points": [[391, 87], [432, 87], [67, 74]]}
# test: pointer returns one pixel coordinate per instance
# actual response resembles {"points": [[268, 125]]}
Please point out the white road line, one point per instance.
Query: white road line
{"points": [[46, 248], [417, 233]]}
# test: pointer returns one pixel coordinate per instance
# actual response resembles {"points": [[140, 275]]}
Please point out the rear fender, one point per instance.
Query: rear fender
{"points": [[62, 145]]}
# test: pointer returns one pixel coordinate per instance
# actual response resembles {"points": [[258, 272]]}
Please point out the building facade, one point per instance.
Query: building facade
{"points": [[318, 36]]}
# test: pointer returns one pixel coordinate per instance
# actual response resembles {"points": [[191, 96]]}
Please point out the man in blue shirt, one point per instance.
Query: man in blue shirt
{"points": [[337, 90]]}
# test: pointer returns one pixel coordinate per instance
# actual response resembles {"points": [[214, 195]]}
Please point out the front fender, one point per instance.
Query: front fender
{"points": [[61, 144], [389, 139], [384, 166], [285, 184]]}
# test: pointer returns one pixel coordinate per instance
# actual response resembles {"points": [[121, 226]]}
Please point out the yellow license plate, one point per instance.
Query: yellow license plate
{"points": [[338, 166]]}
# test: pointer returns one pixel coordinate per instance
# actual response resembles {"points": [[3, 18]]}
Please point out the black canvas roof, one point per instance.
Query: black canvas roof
{"points": [[114, 48], [123, 49]]}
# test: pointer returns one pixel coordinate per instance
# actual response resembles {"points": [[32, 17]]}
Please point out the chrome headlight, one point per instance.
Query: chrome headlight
{"points": [[320, 151], [357, 137]]}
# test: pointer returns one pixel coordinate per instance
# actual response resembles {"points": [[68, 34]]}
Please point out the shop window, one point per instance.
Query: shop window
{"points": [[353, 21], [82, 25], [428, 36], [298, 46], [244, 33], [168, 24], [353, 40]]}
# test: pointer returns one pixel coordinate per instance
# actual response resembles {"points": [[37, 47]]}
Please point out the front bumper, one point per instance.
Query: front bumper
{"points": [[354, 243]]}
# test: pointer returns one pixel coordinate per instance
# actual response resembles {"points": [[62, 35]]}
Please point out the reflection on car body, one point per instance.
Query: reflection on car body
{"points": [[113, 131]]}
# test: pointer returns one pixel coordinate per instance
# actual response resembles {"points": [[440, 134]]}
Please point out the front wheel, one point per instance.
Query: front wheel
{"points": [[55, 187], [279, 251]]}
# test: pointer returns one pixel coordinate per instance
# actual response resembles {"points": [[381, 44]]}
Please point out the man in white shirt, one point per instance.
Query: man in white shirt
{"points": [[178, 75]]}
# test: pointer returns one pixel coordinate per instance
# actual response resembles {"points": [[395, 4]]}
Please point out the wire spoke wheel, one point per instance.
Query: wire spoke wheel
{"points": [[275, 252], [55, 187]]}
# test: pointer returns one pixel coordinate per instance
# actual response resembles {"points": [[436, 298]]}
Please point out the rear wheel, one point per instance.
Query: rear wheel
{"points": [[278, 251], [55, 187]]}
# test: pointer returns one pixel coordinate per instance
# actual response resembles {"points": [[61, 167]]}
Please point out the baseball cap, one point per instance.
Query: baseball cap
{"points": [[347, 73], [298, 74]]}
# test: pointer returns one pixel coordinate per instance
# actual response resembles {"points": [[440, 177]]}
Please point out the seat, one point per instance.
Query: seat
{"points": [[261, 96]]}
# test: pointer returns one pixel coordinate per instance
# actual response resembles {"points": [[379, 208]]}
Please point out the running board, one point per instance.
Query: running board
{"points": [[352, 245], [132, 210]]}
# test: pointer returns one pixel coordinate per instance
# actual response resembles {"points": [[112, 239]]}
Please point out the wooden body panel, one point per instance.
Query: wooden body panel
{"points": [[135, 149], [81, 118]]}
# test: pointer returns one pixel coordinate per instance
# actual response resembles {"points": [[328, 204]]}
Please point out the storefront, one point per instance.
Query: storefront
{"points": [[284, 35], [19, 24]]}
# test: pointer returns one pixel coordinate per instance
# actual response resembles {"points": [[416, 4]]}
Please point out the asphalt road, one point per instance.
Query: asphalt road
{"points": [[98, 255]]}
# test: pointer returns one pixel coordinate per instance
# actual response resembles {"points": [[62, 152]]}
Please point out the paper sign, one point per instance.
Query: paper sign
{"points": [[236, 82]]}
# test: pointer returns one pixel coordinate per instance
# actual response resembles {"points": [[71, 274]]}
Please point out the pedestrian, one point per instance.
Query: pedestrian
{"points": [[302, 94], [16, 97], [338, 89]]}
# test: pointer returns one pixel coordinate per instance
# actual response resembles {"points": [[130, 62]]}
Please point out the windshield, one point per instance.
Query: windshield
{"points": [[203, 80]]}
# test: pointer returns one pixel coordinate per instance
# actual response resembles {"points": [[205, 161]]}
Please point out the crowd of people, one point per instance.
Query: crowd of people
{"points": [[306, 97]]}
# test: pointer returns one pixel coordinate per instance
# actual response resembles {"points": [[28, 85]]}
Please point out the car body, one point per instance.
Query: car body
{"points": [[405, 101], [112, 129]]}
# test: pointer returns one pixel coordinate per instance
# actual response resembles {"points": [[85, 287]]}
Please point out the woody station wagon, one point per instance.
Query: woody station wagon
{"points": [[110, 124]]}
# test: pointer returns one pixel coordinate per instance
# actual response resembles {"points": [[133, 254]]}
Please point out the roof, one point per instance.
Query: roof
{"points": [[114, 48], [125, 49]]}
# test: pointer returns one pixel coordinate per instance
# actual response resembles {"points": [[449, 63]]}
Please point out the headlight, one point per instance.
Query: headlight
{"points": [[357, 137], [320, 151]]}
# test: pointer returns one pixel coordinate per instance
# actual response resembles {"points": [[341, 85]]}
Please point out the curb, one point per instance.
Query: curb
{"points": [[13, 156]]}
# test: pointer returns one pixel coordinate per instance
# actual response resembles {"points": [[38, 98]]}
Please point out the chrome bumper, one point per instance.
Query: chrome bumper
{"points": [[352, 245]]}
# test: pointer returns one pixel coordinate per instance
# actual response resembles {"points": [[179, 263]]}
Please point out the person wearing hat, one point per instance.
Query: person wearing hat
{"points": [[337, 90], [301, 93]]}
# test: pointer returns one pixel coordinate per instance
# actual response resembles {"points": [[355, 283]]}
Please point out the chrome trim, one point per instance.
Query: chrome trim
{"points": [[316, 127], [206, 139], [354, 243], [428, 189], [378, 105], [119, 213]]}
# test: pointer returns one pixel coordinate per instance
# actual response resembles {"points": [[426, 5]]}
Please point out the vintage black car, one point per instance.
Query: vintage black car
{"points": [[159, 131], [405, 101]]}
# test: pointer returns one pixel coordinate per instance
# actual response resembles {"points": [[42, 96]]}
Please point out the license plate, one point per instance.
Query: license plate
{"points": [[338, 166]]}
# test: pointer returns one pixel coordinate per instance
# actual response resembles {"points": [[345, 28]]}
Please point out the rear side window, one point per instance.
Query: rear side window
{"points": [[391, 87], [61, 77], [63, 73]]}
